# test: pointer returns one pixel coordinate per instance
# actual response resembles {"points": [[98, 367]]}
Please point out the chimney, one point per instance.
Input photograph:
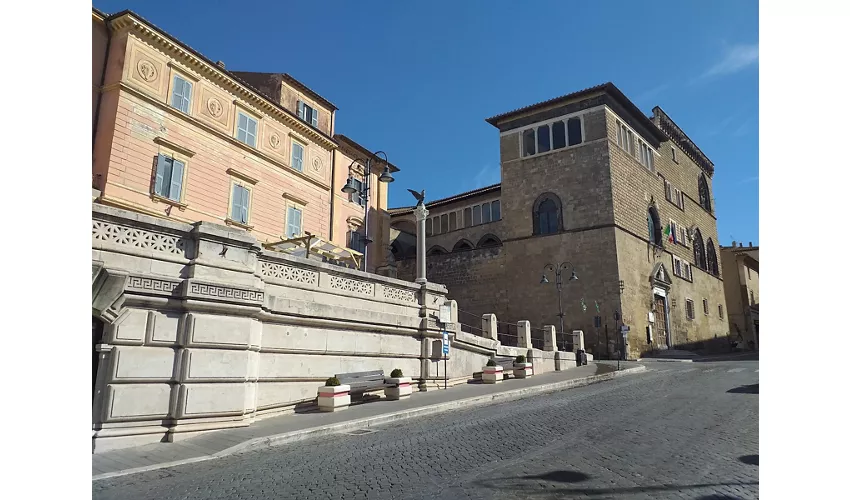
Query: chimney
{"points": [[734, 243], [220, 64], [751, 243], [740, 245]]}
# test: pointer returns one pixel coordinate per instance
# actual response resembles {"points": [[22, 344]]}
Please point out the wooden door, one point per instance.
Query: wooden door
{"points": [[660, 326]]}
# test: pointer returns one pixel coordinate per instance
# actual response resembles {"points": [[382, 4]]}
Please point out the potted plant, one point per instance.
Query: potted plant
{"points": [[334, 396], [400, 387], [492, 373], [521, 368]]}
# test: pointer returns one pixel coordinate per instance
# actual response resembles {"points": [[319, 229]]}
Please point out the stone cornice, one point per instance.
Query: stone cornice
{"points": [[166, 44]]}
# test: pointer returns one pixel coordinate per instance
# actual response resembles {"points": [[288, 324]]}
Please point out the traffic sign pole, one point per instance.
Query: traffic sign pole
{"points": [[445, 360]]}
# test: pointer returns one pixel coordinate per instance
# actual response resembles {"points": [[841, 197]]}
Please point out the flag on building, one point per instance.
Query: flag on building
{"points": [[597, 305], [583, 306], [668, 233]]}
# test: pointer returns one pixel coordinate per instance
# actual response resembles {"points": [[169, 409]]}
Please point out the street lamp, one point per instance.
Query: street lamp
{"points": [[385, 177], [559, 283]]}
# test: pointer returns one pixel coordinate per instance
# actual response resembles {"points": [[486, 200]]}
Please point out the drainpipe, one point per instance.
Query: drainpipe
{"points": [[333, 191], [108, 25]]}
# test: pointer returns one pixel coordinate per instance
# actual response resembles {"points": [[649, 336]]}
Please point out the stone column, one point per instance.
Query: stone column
{"points": [[578, 340], [523, 331], [421, 214], [549, 343], [488, 327]]}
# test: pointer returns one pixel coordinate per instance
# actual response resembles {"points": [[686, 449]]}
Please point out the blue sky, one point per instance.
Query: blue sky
{"points": [[417, 79]]}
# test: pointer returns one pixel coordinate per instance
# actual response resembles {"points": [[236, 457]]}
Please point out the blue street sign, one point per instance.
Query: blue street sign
{"points": [[445, 343]]}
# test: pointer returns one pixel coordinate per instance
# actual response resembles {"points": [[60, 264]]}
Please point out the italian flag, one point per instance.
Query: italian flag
{"points": [[668, 233]]}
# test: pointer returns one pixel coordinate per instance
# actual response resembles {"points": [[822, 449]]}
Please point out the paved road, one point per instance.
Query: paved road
{"points": [[679, 430]]}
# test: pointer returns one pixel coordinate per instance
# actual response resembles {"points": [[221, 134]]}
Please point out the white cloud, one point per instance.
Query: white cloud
{"points": [[737, 58], [487, 176]]}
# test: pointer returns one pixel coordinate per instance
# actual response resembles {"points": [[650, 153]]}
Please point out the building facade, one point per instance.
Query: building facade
{"points": [[741, 285], [590, 181], [180, 137]]}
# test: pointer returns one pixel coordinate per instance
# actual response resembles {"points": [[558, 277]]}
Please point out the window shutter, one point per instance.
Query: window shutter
{"points": [[161, 165], [252, 127], [177, 94], [316, 118], [674, 230], [234, 203], [668, 190], [297, 221], [244, 205], [300, 110], [187, 95], [176, 180]]}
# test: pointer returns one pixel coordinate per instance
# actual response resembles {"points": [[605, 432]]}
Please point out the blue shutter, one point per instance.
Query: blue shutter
{"points": [[297, 221], [187, 96], [177, 93], [316, 118], [176, 179], [235, 204], [160, 174], [298, 157], [252, 132], [245, 194], [300, 110]]}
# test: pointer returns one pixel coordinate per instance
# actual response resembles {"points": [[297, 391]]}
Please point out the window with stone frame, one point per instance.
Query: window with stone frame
{"points": [[653, 222], [689, 309], [704, 193], [547, 217], [699, 250], [711, 258]]}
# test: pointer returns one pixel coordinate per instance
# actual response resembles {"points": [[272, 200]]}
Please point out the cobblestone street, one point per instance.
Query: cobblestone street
{"points": [[678, 430]]}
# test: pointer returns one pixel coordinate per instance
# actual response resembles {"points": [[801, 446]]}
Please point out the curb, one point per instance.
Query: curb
{"points": [[294, 436], [661, 360]]}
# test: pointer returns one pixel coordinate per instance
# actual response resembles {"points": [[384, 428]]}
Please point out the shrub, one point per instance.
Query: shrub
{"points": [[520, 359], [397, 373], [491, 362], [332, 382]]}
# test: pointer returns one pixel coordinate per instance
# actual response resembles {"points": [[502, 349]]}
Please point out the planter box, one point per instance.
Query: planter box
{"points": [[401, 388], [492, 374], [523, 370], [334, 398]]}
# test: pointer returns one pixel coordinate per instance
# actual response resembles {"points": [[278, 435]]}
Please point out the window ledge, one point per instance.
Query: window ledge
{"points": [[231, 222], [157, 198]]}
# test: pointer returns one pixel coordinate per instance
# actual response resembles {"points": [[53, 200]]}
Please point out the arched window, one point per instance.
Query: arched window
{"points": [[653, 223], [436, 250], [699, 250], [489, 240], [711, 258], [462, 245], [704, 193], [547, 214]]}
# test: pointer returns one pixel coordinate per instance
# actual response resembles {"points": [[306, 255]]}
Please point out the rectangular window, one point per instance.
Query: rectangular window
{"points": [[674, 154], [452, 221], [181, 94], [485, 213], [689, 308], [621, 135], [297, 156], [246, 130], [239, 204], [359, 196], [720, 310], [429, 227], [559, 135], [705, 306], [467, 217], [690, 271], [677, 266], [677, 198], [528, 145], [169, 177], [476, 215], [444, 223], [308, 114], [574, 131], [356, 241], [674, 231], [293, 222], [437, 225], [496, 209], [543, 138]]}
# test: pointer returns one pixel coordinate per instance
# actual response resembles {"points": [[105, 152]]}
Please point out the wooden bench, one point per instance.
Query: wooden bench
{"points": [[361, 382]]}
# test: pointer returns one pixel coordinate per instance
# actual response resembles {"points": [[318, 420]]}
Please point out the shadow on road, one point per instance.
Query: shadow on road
{"points": [[750, 459], [519, 486], [719, 497], [745, 389]]}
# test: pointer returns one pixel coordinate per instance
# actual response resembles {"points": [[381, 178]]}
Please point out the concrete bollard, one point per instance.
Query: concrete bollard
{"points": [[523, 331], [488, 327], [549, 342]]}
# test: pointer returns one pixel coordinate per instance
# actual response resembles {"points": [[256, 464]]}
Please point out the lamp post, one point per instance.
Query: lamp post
{"points": [[385, 177], [559, 285]]}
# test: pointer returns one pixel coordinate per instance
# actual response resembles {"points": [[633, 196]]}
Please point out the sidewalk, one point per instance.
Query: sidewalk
{"points": [[678, 356], [278, 430]]}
